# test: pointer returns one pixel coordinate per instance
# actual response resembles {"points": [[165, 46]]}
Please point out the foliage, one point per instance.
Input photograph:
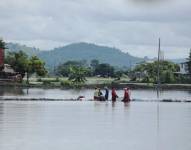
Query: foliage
{"points": [[47, 83], [35, 65], [66, 84], [167, 70], [118, 74], [19, 61], [64, 69], [104, 70], [2, 44], [77, 75], [22, 64]]}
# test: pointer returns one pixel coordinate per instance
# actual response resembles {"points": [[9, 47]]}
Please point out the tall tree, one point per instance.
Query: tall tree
{"points": [[2, 44], [19, 61], [35, 65], [77, 75]]}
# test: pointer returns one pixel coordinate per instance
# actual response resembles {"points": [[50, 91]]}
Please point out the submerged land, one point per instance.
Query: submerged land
{"points": [[91, 83]]}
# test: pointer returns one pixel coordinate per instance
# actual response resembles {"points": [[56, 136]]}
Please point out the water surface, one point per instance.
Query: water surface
{"points": [[88, 93], [94, 125]]}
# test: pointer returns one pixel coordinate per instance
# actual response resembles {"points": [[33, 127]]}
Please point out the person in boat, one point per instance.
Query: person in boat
{"points": [[126, 97], [114, 95], [106, 93], [96, 94], [100, 94]]}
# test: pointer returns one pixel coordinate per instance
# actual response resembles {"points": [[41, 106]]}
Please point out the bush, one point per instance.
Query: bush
{"points": [[39, 80], [46, 82], [66, 83]]}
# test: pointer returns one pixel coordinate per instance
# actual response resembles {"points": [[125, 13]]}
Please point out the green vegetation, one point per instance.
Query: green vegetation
{"points": [[77, 75], [87, 64], [83, 69], [77, 52], [23, 64], [148, 72], [2, 44]]}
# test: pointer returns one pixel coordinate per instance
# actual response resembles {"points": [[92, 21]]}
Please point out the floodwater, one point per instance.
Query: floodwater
{"points": [[89, 125], [88, 93]]}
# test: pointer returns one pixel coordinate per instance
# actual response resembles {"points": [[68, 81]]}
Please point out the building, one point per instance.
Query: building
{"points": [[184, 68], [7, 73], [1, 57]]}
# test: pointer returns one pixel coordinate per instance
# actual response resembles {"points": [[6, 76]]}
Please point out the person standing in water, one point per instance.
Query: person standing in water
{"points": [[100, 94], [106, 93], [96, 94], [114, 95], [126, 97]]}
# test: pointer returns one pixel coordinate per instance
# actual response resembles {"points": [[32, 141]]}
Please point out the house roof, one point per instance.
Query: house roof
{"points": [[8, 69]]}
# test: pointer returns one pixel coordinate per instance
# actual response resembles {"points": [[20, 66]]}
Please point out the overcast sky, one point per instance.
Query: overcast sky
{"points": [[134, 26]]}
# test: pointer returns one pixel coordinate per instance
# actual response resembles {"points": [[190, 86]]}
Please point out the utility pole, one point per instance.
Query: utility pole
{"points": [[158, 70], [158, 91]]}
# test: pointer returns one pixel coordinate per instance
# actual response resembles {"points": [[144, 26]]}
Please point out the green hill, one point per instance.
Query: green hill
{"points": [[14, 47], [79, 51], [85, 51]]}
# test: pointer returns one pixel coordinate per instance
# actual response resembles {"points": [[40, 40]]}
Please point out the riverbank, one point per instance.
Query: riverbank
{"points": [[100, 85]]}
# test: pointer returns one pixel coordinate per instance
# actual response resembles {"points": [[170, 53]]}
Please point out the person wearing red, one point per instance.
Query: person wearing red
{"points": [[126, 97], [114, 95]]}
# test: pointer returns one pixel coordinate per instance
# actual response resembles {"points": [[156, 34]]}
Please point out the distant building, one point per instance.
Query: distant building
{"points": [[8, 69], [7, 73], [184, 68]]}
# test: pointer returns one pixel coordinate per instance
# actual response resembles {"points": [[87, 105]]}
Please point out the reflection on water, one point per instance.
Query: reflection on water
{"points": [[11, 91], [73, 94], [94, 125]]}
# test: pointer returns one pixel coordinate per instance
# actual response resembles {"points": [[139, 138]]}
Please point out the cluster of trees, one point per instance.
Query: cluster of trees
{"points": [[149, 71], [82, 69], [21, 63]]}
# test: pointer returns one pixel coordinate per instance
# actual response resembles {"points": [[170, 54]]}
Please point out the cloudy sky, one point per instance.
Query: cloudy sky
{"points": [[134, 26]]}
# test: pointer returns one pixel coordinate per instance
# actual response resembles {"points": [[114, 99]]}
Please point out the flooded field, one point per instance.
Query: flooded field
{"points": [[94, 125], [73, 94]]}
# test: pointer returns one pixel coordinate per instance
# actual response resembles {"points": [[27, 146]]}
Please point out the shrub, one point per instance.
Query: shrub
{"points": [[66, 83], [46, 82]]}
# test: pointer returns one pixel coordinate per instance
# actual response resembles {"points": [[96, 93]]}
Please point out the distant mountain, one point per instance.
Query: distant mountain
{"points": [[17, 47], [85, 51], [80, 51], [178, 61]]}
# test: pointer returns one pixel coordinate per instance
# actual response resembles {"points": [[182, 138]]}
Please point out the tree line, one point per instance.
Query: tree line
{"points": [[95, 68], [25, 65], [77, 71]]}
